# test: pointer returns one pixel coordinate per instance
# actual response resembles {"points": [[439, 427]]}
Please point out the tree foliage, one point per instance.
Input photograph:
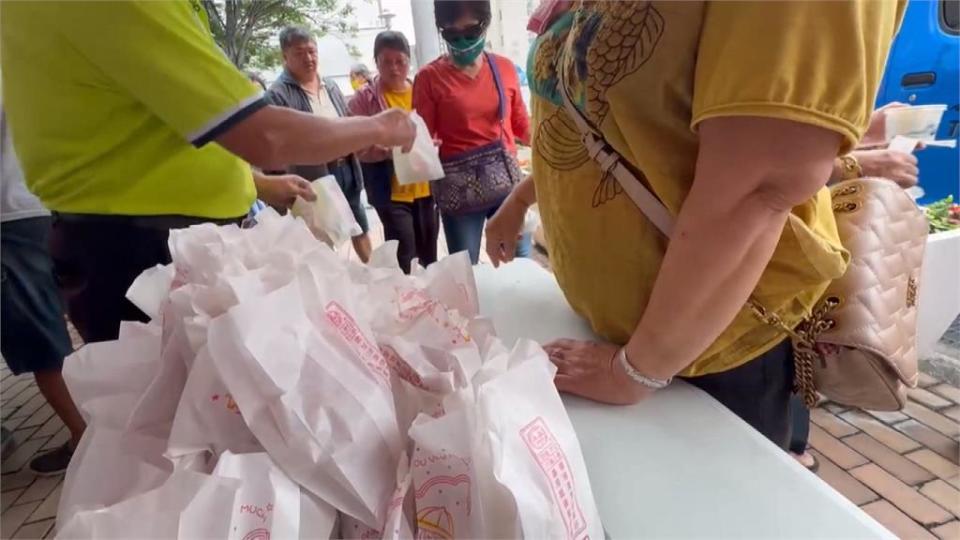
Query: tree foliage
{"points": [[247, 29]]}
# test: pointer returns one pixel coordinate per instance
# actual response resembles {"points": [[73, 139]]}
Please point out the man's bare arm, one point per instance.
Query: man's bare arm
{"points": [[275, 137]]}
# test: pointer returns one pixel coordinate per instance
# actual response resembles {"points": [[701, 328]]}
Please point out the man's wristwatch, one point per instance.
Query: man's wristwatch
{"points": [[638, 377], [849, 167]]}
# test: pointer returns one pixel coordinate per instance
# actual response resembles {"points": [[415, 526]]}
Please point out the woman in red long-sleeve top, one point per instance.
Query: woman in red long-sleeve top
{"points": [[458, 99]]}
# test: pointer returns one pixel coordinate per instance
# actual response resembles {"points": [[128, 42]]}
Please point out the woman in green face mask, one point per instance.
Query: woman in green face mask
{"points": [[470, 99]]}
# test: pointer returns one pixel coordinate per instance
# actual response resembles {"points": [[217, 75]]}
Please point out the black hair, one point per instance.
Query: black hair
{"points": [[446, 12], [292, 35], [390, 39]]}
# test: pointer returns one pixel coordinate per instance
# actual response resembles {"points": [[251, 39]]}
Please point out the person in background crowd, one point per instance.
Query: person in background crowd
{"points": [[459, 99], [871, 159], [301, 88], [720, 110], [35, 337], [138, 124], [359, 76], [409, 213]]}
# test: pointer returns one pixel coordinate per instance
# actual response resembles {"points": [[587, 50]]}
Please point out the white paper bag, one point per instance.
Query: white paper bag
{"points": [[534, 449], [313, 404], [208, 418], [422, 162], [267, 504], [329, 217], [187, 505]]}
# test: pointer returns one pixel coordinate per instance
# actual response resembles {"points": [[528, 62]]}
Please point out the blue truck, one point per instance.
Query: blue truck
{"points": [[924, 68]]}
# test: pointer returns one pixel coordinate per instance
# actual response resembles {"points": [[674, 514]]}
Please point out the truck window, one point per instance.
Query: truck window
{"points": [[950, 16]]}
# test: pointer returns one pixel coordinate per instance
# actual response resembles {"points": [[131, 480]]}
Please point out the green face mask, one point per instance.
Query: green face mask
{"points": [[464, 51]]}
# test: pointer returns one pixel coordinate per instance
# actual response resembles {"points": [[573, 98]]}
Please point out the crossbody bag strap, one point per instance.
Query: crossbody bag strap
{"points": [[611, 163]]}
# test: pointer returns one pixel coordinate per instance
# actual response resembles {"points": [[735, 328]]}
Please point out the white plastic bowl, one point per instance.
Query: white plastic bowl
{"points": [[919, 122]]}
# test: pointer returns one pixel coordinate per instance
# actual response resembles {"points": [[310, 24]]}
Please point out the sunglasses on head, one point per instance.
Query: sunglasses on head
{"points": [[470, 32]]}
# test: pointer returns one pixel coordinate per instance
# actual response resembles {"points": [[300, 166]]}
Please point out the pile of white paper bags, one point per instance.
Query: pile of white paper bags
{"points": [[282, 392]]}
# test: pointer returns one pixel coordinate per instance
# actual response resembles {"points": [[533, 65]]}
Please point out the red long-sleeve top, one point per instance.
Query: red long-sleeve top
{"points": [[462, 112]]}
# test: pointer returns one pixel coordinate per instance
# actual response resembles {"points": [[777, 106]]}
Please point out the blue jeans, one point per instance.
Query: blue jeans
{"points": [[465, 231]]}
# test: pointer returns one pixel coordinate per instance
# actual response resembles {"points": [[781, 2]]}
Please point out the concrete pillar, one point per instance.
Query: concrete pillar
{"points": [[425, 35]]}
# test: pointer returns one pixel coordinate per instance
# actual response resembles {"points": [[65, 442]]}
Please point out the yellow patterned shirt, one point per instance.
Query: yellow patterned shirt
{"points": [[646, 73]]}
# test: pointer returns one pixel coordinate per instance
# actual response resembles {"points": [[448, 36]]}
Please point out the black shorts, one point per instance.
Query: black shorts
{"points": [[352, 188], [34, 331]]}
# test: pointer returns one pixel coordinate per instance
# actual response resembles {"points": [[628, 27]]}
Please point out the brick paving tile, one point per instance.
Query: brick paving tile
{"points": [[835, 408], [892, 462], [890, 437], [11, 382], [945, 390], [830, 423], [22, 455], [7, 498], [57, 440], [840, 480], [48, 509], [888, 417], [943, 494], [53, 425], [24, 434], [926, 380], [928, 398], [932, 462], [17, 397], [836, 451], [952, 412], [17, 480], [896, 521], [941, 444], [15, 516], [27, 410], [40, 489], [935, 420], [915, 505], [39, 417], [948, 531], [35, 531]]}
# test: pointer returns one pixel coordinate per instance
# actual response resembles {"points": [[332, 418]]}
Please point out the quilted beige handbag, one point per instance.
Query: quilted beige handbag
{"points": [[859, 345]]}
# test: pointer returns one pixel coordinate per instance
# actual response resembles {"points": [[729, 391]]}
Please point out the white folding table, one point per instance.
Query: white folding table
{"points": [[678, 464]]}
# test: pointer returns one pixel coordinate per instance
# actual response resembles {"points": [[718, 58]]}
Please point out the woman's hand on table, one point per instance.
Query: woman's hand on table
{"points": [[590, 369]]}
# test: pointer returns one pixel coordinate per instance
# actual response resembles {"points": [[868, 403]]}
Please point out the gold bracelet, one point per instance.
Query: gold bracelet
{"points": [[850, 167]]}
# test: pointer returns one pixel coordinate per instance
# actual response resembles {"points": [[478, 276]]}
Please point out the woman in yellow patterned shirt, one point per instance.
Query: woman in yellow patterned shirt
{"points": [[731, 113]]}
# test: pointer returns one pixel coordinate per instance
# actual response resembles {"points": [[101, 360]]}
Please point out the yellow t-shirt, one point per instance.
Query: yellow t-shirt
{"points": [[646, 73], [113, 109], [409, 192]]}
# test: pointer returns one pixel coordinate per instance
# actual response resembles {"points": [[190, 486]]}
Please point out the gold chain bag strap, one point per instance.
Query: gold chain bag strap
{"points": [[858, 346]]}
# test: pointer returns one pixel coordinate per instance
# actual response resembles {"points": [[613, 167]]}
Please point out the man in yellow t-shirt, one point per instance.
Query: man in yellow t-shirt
{"points": [[732, 114], [409, 213], [129, 121]]}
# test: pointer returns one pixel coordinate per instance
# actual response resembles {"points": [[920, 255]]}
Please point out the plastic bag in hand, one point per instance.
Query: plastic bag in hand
{"points": [[329, 217], [422, 162]]}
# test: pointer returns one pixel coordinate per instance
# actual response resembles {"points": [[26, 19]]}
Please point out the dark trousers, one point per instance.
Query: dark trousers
{"points": [[415, 226], [96, 259], [759, 392], [34, 332]]}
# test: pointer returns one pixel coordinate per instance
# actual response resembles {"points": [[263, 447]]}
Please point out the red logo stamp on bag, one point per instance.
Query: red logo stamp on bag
{"points": [[549, 455], [401, 367], [349, 330]]}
